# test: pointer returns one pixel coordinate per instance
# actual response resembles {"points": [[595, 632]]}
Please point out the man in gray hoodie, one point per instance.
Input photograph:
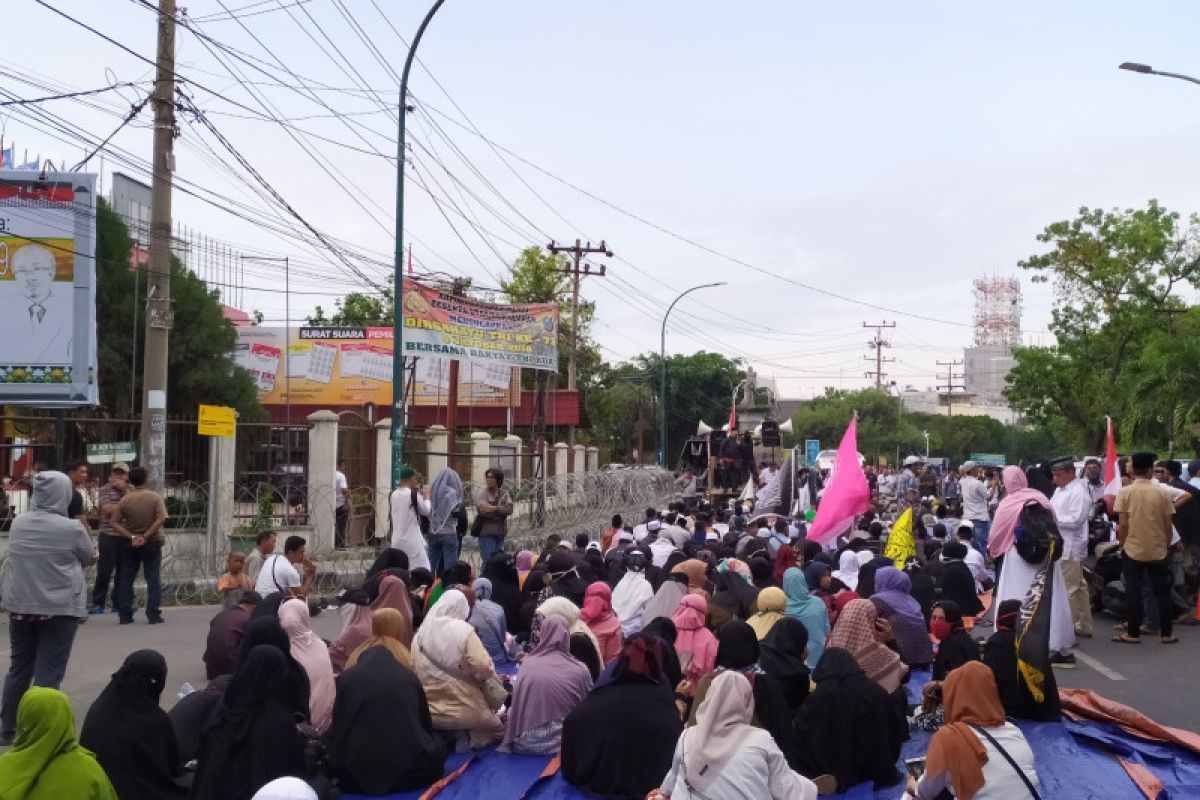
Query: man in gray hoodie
{"points": [[44, 590]]}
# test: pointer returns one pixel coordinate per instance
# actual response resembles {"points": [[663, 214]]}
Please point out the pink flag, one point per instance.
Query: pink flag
{"points": [[1112, 481], [732, 418], [846, 492]]}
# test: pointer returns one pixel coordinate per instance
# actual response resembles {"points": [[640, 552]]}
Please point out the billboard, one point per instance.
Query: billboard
{"points": [[448, 326], [349, 366], [48, 289]]}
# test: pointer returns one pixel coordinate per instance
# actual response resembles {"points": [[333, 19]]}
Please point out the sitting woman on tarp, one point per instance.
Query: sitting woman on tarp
{"points": [[976, 754], [550, 685], [456, 673], [955, 645], [1000, 654], [894, 602], [723, 755], [45, 762], [488, 619], [844, 727], [599, 756]]}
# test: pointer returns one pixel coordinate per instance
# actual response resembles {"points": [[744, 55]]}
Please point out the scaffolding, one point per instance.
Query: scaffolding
{"points": [[998, 311]]}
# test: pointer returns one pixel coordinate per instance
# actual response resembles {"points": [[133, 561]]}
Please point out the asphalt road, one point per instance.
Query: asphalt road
{"points": [[1159, 680]]}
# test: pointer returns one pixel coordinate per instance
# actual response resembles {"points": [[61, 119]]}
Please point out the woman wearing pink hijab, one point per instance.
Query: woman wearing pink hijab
{"points": [[310, 652], [392, 594], [695, 644], [1016, 575], [599, 616]]}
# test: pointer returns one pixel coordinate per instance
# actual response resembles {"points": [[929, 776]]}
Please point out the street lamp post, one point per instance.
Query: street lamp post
{"points": [[662, 367], [398, 263], [1146, 69]]}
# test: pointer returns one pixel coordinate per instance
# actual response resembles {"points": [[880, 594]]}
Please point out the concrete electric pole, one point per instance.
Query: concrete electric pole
{"points": [[877, 344], [577, 251], [158, 283]]}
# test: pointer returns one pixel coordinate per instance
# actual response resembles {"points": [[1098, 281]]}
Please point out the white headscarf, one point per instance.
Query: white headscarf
{"points": [[847, 571], [443, 635], [569, 612], [629, 600], [286, 789]]}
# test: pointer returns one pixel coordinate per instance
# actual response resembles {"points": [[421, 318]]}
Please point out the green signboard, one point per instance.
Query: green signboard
{"points": [[111, 452], [991, 459]]}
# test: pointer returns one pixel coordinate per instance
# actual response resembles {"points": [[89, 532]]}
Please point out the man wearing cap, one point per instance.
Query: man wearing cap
{"points": [[109, 496], [660, 545], [975, 504], [409, 504], [1072, 501], [907, 481]]}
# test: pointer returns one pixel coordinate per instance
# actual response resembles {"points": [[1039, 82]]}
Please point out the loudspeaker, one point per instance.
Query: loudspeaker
{"points": [[770, 433]]}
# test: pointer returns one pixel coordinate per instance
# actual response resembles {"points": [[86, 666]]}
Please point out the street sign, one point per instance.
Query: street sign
{"points": [[812, 448], [111, 452], [990, 459], [216, 421]]}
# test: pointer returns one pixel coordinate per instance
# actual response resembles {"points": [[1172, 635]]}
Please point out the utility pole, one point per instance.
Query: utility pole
{"points": [[953, 381], [458, 290], [877, 344], [577, 251], [158, 283]]}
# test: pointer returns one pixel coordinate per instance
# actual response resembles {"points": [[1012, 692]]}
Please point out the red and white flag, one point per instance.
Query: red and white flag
{"points": [[732, 418], [846, 492], [1112, 479]]}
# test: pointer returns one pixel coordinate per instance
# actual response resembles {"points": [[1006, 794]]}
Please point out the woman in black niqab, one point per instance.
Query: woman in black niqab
{"points": [[664, 630], [190, 716], [381, 740], [131, 736], [845, 728], [501, 570], [254, 738], [268, 631], [958, 584], [784, 683], [1000, 653], [598, 753]]}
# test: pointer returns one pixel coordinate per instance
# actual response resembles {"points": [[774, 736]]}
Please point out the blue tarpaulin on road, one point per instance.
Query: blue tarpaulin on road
{"points": [[1075, 761]]}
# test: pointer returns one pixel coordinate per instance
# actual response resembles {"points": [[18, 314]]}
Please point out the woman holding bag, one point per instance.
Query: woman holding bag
{"points": [[493, 507]]}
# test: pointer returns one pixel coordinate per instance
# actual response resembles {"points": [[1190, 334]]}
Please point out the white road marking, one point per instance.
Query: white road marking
{"points": [[1095, 664]]}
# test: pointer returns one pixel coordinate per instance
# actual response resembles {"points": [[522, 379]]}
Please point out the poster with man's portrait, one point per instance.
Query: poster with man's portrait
{"points": [[47, 289]]}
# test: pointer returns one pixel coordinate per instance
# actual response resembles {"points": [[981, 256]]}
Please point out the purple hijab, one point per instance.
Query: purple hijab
{"points": [[894, 601], [550, 684]]}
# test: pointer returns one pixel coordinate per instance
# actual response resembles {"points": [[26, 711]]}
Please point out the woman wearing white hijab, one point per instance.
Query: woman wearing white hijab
{"points": [[723, 755], [286, 789], [632, 593], [847, 571], [445, 500], [453, 668]]}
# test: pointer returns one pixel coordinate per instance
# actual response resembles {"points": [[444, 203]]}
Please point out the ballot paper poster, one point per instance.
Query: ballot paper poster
{"points": [[48, 289], [341, 366]]}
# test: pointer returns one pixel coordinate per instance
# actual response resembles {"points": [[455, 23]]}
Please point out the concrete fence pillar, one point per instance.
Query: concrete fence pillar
{"points": [[439, 450], [481, 452], [223, 456], [518, 447], [561, 456], [593, 459], [322, 461], [577, 458], [383, 475]]}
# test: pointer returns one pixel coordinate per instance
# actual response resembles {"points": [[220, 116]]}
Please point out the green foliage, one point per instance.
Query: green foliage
{"points": [[200, 364], [887, 431], [359, 310], [699, 387], [1119, 349]]}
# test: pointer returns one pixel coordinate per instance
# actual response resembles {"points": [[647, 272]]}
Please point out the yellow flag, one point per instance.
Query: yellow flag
{"points": [[900, 544]]}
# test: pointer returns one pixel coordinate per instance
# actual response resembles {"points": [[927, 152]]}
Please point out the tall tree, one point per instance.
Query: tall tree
{"points": [[1117, 276], [200, 360]]}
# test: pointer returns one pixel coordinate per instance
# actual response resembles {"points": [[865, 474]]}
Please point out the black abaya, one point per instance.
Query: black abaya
{"points": [[784, 684], [254, 738], [958, 585], [131, 736], [381, 739], [191, 716], [268, 631], [845, 726], [598, 753], [1000, 653], [501, 570], [955, 650]]}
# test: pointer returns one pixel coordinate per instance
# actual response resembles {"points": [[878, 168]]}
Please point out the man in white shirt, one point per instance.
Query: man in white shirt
{"points": [[661, 546], [341, 505], [1072, 501], [279, 573], [974, 560], [975, 504], [408, 504], [673, 531], [639, 530]]}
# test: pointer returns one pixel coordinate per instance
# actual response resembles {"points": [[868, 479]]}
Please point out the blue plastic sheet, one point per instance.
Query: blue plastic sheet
{"points": [[1075, 761]]}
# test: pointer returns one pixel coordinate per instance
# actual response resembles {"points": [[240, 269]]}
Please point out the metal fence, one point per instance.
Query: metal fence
{"points": [[195, 554]]}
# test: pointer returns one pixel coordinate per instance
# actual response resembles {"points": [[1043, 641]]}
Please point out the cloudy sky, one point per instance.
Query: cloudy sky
{"points": [[834, 164]]}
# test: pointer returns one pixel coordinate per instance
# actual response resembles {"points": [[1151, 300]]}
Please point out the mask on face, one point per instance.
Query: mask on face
{"points": [[940, 628]]}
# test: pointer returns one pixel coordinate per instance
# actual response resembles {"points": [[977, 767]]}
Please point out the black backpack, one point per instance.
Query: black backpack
{"points": [[422, 520], [1036, 532]]}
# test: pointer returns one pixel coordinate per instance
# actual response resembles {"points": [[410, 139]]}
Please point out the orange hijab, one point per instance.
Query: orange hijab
{"points": [[697, 575], [969, 698], [389, 628]]}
